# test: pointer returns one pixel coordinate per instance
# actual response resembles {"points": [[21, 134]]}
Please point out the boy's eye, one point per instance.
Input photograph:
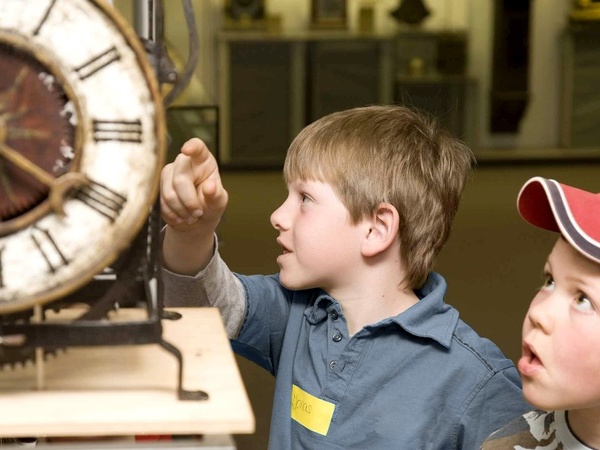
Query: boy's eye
{"points": [[304, 198], [548, 281], [583, 303]]}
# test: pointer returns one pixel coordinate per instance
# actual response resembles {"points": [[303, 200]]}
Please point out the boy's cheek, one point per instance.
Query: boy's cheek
{"points": [[577, 359], [582, 361]]}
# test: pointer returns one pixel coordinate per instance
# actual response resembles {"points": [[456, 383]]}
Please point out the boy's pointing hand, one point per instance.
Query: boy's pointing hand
{"points": [[191, 191]]}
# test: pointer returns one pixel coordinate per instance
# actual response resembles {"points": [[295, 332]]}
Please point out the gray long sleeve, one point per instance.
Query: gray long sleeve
{"points": [[214, 286]]}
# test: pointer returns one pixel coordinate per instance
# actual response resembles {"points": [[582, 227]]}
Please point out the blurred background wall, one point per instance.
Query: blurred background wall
{"points": [[540, 126]]}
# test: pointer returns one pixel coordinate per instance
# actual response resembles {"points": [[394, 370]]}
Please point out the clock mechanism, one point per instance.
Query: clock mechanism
{"points": [[82, 144], [35, 116]]}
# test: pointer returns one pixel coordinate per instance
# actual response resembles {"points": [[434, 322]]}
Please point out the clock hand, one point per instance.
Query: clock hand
{"points": [[25, 164], [59, 187], [5, 183]]}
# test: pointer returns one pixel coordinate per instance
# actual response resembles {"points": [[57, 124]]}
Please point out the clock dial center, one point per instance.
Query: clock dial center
{"points": [[35, 131]]}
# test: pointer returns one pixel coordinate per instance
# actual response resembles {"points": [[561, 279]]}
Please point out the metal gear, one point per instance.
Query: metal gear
{"points": [[102, 298], [32, 109], [13, 357], [16, 357]]}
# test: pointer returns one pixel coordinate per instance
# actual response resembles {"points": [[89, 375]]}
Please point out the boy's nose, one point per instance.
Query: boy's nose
{"points": [[541, 313], [277, 218]]}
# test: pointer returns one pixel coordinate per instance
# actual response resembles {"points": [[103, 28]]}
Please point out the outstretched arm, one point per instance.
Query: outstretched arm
{"points": [[192, 202]]}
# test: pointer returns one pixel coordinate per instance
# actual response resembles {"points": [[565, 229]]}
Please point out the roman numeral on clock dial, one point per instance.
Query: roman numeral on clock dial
{"points": [[47, 246], [103, 199], [44, 18], [118, 130], [97, 63]]}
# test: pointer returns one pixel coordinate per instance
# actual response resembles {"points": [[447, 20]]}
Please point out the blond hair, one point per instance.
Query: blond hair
{"points": [[390, 154]]}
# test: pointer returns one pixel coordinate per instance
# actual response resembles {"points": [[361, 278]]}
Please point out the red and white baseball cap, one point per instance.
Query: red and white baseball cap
{"points": [[573, 212]]}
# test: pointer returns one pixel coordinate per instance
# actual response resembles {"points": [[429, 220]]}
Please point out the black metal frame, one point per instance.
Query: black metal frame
{"points": [[130, 287]]}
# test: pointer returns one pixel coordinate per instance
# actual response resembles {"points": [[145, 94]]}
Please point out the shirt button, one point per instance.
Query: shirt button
{"points": [[334, 315], [337, 337], [332, 364]]}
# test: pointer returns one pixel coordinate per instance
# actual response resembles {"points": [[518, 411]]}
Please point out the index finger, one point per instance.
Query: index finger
{"points": [[196, 149]]}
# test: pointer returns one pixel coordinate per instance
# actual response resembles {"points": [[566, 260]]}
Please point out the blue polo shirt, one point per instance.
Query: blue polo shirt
{"points": [[420, 380]]}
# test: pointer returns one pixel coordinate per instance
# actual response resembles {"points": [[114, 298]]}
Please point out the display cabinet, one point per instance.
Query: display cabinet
{"points": [[347, 73], [271, 85], [580, 118], [450, 98]]}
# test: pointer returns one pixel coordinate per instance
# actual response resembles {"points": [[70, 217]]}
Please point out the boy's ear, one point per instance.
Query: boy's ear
{"points": [[382, 230]]}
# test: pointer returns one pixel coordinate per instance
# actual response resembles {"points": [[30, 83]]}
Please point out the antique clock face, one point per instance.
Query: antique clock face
{"points": [[82, 143]]}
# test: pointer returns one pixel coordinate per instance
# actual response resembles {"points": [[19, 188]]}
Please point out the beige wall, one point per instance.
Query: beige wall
{"points": [[539, 127], [493, 261]]}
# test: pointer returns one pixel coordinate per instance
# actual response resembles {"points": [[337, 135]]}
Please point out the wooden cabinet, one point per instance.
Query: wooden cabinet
{"points": [[450, 98], [262, 105], [580, 115], [271, 85], [344, 74]]}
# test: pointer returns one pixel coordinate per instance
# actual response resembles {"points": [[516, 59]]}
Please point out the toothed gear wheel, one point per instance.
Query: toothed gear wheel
{"points": [[129, 269], [15, 357], [33, 106]]}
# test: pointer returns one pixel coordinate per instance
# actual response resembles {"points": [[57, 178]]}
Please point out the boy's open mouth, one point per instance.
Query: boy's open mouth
{"points": [[529, 353], [529, 362], [283, 247]]}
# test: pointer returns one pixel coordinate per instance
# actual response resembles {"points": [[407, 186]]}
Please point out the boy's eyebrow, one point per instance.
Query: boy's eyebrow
{"points": [[301, 182], [546, 271]]}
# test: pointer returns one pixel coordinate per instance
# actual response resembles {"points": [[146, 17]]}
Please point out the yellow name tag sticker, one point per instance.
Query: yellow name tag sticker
{"points": [[310, 411]]}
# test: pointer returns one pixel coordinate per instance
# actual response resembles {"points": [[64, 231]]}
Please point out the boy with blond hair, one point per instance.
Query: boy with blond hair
{"points": [[354, 327], [560, 365]]}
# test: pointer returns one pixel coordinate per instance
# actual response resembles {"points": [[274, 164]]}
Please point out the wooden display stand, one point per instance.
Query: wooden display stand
{"points": [[132, 390]]}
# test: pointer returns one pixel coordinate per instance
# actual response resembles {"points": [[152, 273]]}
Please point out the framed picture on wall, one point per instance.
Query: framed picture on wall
{"points": [[329, 13]]}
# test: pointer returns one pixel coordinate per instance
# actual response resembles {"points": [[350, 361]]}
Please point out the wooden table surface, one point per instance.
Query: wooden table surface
{"points": [[132, 390]]}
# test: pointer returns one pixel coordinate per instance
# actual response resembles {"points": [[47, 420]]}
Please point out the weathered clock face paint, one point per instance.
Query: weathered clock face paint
{"points": [[80, 175]]}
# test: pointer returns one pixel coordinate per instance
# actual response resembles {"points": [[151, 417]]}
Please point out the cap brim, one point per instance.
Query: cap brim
{"points": [[573, 212]]}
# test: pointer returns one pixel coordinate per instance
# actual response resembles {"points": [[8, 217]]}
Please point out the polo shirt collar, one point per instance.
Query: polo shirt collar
{"points": [[318, 309], [429, 318]]}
